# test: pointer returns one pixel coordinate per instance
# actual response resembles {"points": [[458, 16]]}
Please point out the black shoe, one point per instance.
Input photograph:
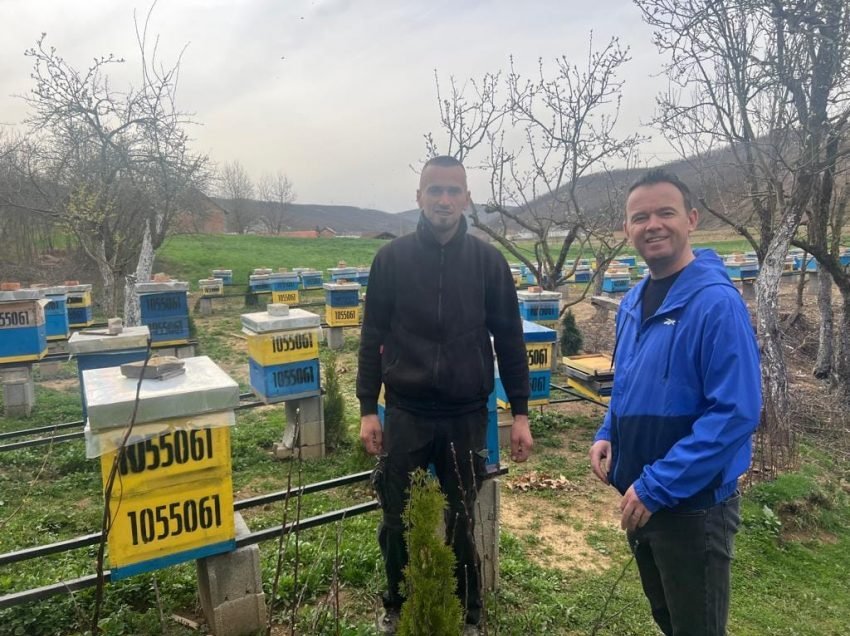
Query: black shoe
{"points": [[388, 623]]}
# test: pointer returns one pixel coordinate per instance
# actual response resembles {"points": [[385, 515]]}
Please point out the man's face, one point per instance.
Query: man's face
{"points": [[442, 196], [659, 227]]}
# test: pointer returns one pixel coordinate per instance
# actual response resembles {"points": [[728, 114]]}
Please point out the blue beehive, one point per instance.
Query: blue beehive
{"points": [[98, 349], [226, 275], [165, 311], [742, 270], [284, 281], [363, 276], [811, 264], [291, 381], [628, 261], [259, 283], [56, 313], [343, 273], [539, 305], [23, 335], [283, 353], [311, 279], [616, 281]]}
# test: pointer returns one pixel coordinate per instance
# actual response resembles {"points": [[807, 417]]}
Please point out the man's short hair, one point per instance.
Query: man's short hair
{"points": [[659, 175], [443, 161]]}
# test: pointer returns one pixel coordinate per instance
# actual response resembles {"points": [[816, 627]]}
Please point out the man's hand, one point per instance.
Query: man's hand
{"points": [[600, 455], [521, 442], [635, 514], [371, 434]]}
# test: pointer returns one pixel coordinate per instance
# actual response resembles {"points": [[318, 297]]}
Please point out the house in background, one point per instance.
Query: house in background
{"points": [[319, 232]]}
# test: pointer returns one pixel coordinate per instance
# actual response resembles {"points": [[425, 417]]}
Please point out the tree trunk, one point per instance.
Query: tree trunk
{"points": [[842, 354], [144, 270], [823, 364], [778, 449], [108, 277]]}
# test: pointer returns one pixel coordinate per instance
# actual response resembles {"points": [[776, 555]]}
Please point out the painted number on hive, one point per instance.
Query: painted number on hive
{"points": [[538, 385], [281, 344], [293, 377], [178, 448], [345, 314], [174, 519], [167, 327], [15, 319], [538, 357]]}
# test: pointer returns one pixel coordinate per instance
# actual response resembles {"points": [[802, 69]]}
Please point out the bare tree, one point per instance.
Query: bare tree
{"points": [[276, 193], [756, 88], [541, 142], [237, 187], [109, 164]]}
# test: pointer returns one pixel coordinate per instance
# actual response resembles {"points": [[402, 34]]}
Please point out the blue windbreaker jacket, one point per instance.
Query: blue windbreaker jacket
{"points": [[687, 392]]}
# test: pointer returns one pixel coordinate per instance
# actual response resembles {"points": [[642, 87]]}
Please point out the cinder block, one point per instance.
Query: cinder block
{"points": [[240, 617], [336, 338], [18, 391], [185, 351], [309, 413], [231, 589]]}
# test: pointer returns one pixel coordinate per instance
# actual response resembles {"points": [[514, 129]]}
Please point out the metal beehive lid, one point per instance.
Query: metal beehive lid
{"points": [[264, 322], [204, 388], [169, 286], [540, 295], [341, 286], [21, 294], [532, 332], [97, 340]]}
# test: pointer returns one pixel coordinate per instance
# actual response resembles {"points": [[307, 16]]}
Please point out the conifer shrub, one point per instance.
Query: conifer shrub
{"points": [[431, 608], [571, 338], [334, 405]]}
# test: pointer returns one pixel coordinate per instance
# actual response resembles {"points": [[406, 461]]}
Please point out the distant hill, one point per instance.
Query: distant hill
{"points": [[344, 219], [597, 193]]}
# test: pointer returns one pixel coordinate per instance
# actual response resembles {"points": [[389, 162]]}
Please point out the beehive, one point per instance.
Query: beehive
{"points": [[172, 498], [283, 353], [165, 311]]}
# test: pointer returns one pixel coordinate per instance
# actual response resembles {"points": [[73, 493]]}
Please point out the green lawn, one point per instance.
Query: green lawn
{"points": [[793, 551]]}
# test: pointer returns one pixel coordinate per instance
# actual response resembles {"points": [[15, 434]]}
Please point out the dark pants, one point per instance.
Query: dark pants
{"points": [[457, 447], [685, 559]]}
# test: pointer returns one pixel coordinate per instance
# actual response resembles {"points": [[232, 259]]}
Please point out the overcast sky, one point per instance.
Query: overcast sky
{"points": [[336, 94]]}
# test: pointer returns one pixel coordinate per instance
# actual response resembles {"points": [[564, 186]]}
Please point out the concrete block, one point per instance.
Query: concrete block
{"points": [[185, 351], [205, 306], [486, 515], [748, 290], [18, 391], [310, 415], [336, 338], [812, 283], [231, 589]]}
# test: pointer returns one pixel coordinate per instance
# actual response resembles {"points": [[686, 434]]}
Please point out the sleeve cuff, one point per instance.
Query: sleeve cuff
{"points": [[640, 490], [519, 406], [368, 407]]}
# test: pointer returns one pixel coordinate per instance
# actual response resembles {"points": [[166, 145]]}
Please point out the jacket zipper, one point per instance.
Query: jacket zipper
{"points": [[439, 314]]}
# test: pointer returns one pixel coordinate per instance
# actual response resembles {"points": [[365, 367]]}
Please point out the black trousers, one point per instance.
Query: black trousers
{"points": [[685, 561], [457, 447]]}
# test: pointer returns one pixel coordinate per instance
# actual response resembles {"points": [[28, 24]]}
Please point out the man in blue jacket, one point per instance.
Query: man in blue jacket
{"points": [[685, 402]]}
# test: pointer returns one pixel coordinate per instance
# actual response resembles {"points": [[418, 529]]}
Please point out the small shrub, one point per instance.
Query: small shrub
{"points": [[431, 608], [334, 406], [571, 338]]}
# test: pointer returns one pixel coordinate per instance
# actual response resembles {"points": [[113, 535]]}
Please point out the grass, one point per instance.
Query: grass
{"points": [[793, 550], [191, 257]]}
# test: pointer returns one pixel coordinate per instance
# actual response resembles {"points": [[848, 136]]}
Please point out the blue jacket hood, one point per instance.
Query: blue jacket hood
{"points": [[705, 270]]}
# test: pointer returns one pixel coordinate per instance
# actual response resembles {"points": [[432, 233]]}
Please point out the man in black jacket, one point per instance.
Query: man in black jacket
{"points": [[434, 299]]}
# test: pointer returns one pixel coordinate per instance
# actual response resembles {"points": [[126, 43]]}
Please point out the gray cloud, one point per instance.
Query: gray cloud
{"points": [[334, 93]]}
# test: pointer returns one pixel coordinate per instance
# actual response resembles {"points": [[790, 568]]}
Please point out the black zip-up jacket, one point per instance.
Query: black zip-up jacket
{"points": [[430, 310]]}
